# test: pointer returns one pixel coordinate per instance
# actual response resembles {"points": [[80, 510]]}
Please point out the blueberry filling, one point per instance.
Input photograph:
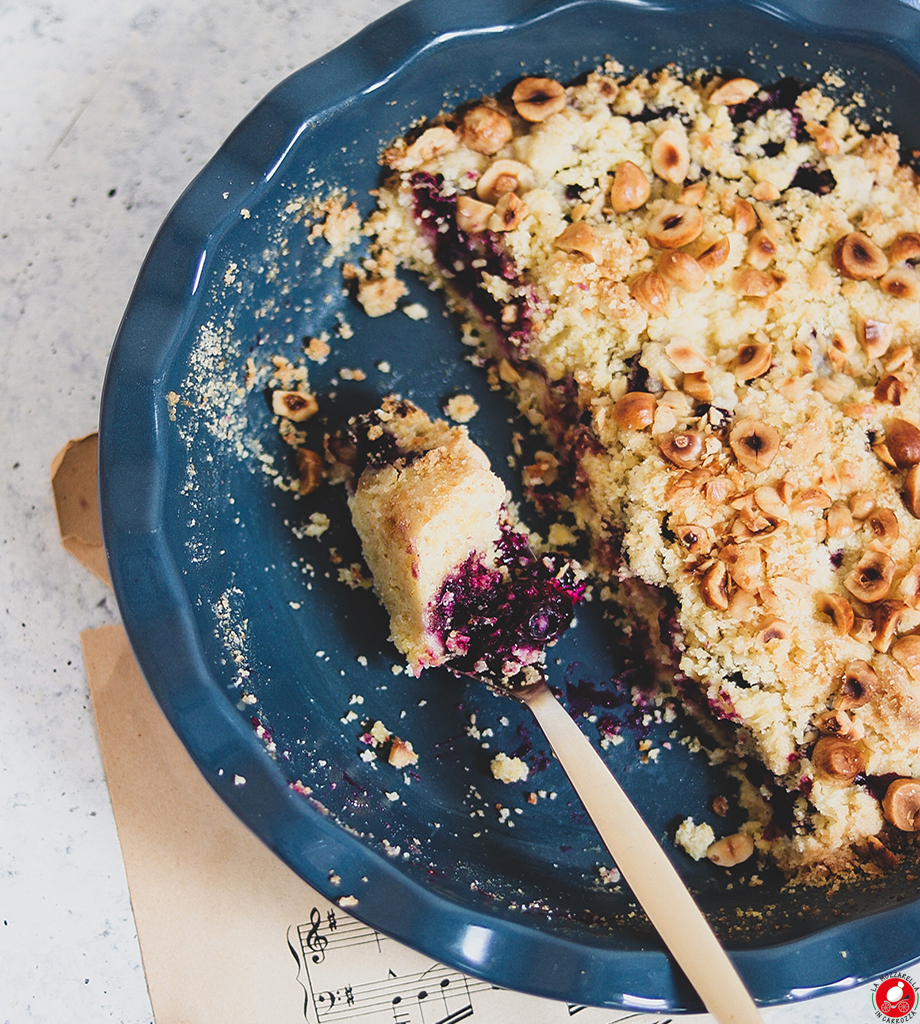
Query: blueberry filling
{"points": [[780, 96], [465, 259], [494, 620]]}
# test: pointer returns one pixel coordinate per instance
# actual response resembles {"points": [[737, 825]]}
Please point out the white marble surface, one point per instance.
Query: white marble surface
{"points": [[107, 109]]}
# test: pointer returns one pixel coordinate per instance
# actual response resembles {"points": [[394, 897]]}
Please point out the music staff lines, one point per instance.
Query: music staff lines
{"points": [[438, 995], [337, 932]]}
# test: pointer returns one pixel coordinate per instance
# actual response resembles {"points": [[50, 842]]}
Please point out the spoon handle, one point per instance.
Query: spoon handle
{"points": [[645, 867]]}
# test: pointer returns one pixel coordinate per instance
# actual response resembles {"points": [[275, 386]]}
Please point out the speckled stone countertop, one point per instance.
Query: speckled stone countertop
{"points": [[108, 109]]}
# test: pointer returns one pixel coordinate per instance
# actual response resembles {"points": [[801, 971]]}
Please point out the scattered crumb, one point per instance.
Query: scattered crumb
{"points": [[694, 839], [509, 769], [415, 311], [461, 408]]}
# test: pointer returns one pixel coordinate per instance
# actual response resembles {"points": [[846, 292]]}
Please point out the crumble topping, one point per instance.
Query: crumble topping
{"points": [[704, 292]]}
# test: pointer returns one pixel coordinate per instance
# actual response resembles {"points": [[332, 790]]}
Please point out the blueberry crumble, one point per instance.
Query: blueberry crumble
{"points": [[704, 291], [459, 578]]}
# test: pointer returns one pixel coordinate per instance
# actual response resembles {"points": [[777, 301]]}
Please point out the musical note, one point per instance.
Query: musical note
{"points": [[316, 942]]}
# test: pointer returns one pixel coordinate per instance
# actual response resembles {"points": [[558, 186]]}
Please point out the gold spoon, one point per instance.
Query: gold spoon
{"points": [[641, 861]]}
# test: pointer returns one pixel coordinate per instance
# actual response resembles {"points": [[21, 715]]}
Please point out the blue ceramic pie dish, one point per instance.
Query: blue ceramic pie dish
{"points": [[234, 590]]}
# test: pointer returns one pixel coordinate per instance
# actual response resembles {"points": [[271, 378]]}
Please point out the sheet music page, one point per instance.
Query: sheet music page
{"points": [[350, 972], [227, 932]]}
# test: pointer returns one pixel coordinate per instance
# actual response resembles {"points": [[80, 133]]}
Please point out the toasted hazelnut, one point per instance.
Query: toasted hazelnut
{"points": [[510, 211], [734, 91], [745, 565], [685, 449], [714, 587], [761, 250], [714, 255], [686, 357], [774, 628], [485, 129], [859, 685], [903, 442], [901, 356], [310, 470], [885, 617], [401, 753], [579, 238], [754, 360], [473, 215], [803, 355], [697, 386], [731, 850], [824, 138], [651, 291], [906, 652], [742, 606], [811, 497], [881, 450], [840, 348], [861, 504], [294, 405], [876, 336], [889, 389], [901, 804], [884, 525], [901, 283], [837, 760], [675, 226], [765, 192], [880, 853], [630, 188], [501, 177], [870, 580], [696, 539], [839, 521], [905, 247], [430, 144], [856, 256], [769, 499], [838, 723], [671, 154], [863, 630], [908, 588], [536, 99], [910, 491], [681, 269], [755, 444], [743, 216], [839, 610], [635, 410], [753, 283], [692, 194]]}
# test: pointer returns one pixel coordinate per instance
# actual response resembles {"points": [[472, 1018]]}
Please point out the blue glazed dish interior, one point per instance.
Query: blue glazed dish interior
{"points": [[225, 593]]}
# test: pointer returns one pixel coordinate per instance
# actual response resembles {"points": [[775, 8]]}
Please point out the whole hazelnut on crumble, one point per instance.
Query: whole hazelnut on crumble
{"points": [[755, 444], [485, 129], [837, 760], [859, 685], [870, 579], [536, 99], [856, 256], [630, 188], [903, 442], [901, 804]]}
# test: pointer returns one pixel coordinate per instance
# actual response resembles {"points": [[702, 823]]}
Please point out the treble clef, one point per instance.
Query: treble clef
{"points": [[316, 942]]}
